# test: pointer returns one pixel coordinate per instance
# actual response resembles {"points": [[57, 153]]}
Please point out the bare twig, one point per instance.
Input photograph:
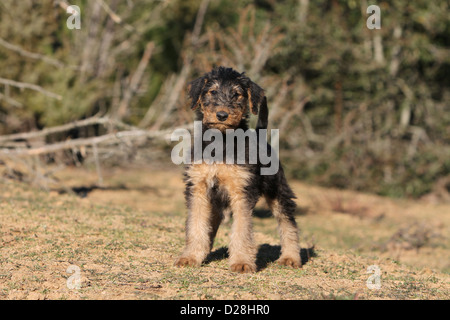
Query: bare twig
{"points": [[295, 111], [185, 71], [135, 81], [24, 85], [12, 102], [114, 16], [31, 55], [158, 103], [199, 22]]}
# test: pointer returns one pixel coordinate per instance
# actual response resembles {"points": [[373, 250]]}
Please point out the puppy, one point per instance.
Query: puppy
{"points": [[222, 100]]}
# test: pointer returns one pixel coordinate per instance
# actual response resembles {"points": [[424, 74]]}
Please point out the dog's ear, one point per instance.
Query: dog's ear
{"points": [[263, 115], [195, 91], [255, 97]]}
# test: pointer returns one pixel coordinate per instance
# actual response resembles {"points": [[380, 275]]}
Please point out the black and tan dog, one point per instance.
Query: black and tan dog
{"points": [[222, 99]]}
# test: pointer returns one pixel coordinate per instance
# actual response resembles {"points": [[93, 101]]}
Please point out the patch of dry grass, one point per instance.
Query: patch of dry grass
{"points": [[124, 240]]}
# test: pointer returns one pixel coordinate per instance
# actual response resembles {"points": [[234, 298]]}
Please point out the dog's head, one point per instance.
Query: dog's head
{"points": [[224, 97]]}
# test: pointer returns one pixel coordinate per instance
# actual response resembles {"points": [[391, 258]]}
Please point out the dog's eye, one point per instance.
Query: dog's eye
{"points": [[236, 95], [213, 92]]}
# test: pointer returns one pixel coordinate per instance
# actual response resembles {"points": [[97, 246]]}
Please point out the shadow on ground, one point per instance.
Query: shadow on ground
{"points": [[263, 213], [266, 254], [83, 191]]}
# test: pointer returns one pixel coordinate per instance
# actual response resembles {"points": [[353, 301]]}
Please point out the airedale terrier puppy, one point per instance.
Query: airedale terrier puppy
{"points": [[222, 99]]}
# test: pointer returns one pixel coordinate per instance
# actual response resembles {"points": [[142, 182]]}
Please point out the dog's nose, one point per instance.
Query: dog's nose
{"points": [[222, 115]]}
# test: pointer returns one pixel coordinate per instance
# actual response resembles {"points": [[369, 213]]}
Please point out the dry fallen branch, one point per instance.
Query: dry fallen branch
{"points": [[66, 127], [122, 136], [112, 146]]}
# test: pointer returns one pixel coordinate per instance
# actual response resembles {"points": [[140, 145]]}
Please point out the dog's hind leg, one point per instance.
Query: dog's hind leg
{"points": [[216, 218], [283, 209]]}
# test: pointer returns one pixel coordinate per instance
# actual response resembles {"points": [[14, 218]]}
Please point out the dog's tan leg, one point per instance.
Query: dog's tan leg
{"points": [[242, 249], [198, 227], [290, 249]]}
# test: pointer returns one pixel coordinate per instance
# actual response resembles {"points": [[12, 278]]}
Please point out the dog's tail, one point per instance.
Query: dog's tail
{"points": [[263, 115]]}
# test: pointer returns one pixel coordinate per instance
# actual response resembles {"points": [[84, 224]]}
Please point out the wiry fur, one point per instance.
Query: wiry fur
{"points": [[212, 189]]}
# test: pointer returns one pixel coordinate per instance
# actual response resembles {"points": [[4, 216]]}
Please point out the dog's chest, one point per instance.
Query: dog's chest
{"points": [[229, 176]]}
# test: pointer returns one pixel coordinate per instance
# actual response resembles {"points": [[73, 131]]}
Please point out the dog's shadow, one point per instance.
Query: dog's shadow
{"points": [[266, 254]]}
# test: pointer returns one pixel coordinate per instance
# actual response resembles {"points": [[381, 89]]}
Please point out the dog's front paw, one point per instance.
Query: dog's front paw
{"points": [[243, 267], [290, 262], [187, 262]]}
